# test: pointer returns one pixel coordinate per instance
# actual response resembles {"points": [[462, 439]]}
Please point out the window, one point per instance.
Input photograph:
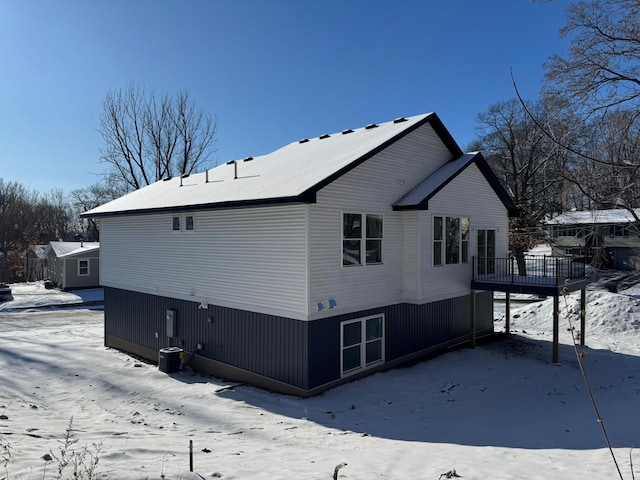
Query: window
{"points": [[361, 239], [618, 231], [362, 343], [83, 268], [183, 223], [450, 240], [437, 240]]}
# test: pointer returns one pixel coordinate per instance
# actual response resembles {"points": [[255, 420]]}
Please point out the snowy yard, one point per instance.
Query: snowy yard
{"points": [[500, 411]]}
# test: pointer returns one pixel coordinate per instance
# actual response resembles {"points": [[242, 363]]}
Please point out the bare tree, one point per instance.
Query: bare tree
{"points": [[84, 199], [148, 138], [526, 162], [594, 93], [602, 68]]}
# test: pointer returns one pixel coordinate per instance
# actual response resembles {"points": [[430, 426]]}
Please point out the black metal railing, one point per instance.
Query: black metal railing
{"points": [[530, 269]]}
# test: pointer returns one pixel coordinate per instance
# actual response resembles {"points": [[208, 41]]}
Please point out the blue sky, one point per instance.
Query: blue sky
{"points": [[272, 71]]}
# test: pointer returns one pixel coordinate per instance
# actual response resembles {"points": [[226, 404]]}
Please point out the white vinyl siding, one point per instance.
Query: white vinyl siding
{"points": [[469, 196], [251, 258], [371, 187]]}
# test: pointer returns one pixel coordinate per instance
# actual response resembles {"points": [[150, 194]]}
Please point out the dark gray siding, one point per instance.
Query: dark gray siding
{"points": [[303, 354], [268, 345]]}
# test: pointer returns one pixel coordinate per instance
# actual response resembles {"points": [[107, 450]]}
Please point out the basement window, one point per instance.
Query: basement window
{"points": [[361, 343]]}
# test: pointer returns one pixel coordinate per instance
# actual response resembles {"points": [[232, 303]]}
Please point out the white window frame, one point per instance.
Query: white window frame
{"points": [[363, 343], [183, 223], [441, 243], [363, 239], [80, 268]]}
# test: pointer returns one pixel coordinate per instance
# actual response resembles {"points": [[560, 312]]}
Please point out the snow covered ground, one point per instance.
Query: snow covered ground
{"points": [[500, 411]]}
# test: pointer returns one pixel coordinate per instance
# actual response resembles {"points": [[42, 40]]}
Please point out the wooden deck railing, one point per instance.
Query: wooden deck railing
{"points": [[530, 269]]}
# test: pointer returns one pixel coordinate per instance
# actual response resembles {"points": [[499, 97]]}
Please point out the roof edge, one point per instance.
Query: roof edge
{"points": [[303, 198]]}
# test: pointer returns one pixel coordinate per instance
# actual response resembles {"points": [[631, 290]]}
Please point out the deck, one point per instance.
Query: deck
{"points": [[539, 275]]}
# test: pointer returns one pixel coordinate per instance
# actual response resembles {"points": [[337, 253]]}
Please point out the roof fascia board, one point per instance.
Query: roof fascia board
{"points": [[303, 198]]}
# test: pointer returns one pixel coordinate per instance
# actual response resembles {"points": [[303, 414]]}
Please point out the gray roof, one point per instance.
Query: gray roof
{"points": [[69, 249], [293, 173]]}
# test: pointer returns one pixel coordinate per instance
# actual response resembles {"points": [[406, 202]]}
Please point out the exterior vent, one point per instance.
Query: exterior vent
{"points": [[304, 140], [185, 175], [248, 159], [371, 125], [326, 135], [344, 132], [231, 162], [400, 120], [166, 179]]}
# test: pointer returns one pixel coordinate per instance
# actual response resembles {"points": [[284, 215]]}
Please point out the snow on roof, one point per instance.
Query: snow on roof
{"points": [[617, 215], [435, 181], [68, 249], [290, 172]]}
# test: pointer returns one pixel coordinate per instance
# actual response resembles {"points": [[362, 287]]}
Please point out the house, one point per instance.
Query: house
{"points": [[73, 265], [323, 261], [609, 238]]}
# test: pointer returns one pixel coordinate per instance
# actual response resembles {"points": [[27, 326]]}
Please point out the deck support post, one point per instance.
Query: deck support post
{"points": [[583, 315], [507, 313], [556, 327], [473, 319]]}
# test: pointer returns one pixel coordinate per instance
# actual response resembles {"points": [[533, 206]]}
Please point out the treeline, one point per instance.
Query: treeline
{"points": [[27, 218]]}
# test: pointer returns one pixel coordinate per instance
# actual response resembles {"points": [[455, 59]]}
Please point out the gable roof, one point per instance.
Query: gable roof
{"points": [[615, 215], [419, 197], [69, 249], [293, 173]]}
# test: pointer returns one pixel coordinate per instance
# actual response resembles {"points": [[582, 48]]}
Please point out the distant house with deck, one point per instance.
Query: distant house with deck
{"points": [[72, 265], [609, 238], [323, 261]]}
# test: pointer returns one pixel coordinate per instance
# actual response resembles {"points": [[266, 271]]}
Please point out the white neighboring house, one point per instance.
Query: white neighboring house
{"points": [[328, 259], [73, 265]]}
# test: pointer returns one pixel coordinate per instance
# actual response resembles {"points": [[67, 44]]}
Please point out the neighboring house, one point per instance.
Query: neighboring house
{"points": [[35, 263], [326, 260], [74, 264], [608, 238]]}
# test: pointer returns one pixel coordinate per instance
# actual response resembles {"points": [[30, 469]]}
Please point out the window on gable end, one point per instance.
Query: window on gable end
{"points": [[351, 239], [176, 223], [362, 236]]}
